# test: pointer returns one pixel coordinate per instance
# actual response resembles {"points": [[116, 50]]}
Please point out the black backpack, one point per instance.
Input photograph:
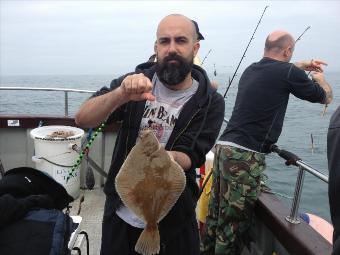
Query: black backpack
{"points": [[40, 232], [31, 218]]}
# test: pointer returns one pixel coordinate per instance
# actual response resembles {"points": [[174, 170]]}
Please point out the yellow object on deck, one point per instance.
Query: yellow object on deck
{"points": [[202, 206]]}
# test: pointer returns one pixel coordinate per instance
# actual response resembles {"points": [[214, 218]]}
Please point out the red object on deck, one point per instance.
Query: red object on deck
{"points": [[202, 174]]}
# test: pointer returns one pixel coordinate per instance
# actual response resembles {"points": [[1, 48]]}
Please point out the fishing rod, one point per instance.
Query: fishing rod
{"points": [[244, 53], [205, 57], [302, 34], [230, 81]]}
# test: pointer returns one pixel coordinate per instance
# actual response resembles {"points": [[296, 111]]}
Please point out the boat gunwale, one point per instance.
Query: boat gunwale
{"points": [[296, 238], [33, 121]]}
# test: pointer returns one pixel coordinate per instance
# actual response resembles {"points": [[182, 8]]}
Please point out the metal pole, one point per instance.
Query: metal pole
{"points": [[292, 218], [66, 103], [313, 171]]}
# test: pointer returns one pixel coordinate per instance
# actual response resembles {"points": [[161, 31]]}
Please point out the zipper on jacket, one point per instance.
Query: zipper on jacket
{"points": [[181, 132], [128, 133]]}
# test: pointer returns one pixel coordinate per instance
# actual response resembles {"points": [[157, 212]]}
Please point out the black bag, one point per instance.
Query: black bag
{"points": [[40, 232], [27, 228]]}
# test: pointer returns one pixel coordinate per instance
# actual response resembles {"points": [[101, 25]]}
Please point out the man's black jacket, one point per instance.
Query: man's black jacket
{"points": [[194, 134]]}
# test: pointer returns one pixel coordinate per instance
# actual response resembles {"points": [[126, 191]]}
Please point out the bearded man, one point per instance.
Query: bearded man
{"points": [[173, 97]]}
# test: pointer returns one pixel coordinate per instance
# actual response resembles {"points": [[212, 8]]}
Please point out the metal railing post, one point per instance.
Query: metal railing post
{"points": [[293, 218], [66, 103], [65, 90]]}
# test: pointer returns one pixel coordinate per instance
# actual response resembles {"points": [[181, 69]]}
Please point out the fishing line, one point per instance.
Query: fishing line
{"points": [[84, 151]]}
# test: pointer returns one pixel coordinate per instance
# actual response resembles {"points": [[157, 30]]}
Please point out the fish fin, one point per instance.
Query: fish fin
{"points": [[148, 242]]}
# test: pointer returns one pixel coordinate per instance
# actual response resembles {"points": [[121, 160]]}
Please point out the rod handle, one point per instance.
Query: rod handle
{"points": [[290, 157]]}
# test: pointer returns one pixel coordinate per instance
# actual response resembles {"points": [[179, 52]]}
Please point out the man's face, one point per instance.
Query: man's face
{"points": [[176, 49]]}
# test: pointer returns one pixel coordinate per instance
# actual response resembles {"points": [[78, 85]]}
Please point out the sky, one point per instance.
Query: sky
{"points": [[112, 37]]}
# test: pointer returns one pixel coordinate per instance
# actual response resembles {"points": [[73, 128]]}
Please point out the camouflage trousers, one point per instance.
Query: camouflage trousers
{"points": [[237, 176]]}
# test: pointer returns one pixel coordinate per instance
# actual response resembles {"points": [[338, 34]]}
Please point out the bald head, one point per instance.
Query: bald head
{"points": [[279, 45], [279, 40], [177, 22]]}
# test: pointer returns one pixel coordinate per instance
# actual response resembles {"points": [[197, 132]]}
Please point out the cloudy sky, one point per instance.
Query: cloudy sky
{"points": [[111, 37]]}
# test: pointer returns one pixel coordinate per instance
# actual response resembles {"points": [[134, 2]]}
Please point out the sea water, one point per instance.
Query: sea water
{"points": [[303, 120]]}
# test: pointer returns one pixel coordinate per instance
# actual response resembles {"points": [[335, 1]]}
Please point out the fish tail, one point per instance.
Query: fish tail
{"points": [[148, 242]]}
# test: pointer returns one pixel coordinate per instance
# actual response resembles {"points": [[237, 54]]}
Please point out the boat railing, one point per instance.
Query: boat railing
{"points": [[292, 159], [65, 90]]}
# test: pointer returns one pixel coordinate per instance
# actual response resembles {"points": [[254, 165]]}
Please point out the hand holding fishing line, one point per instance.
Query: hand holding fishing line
{"points": [[315, 65], [318, 76], [311, 65], [137, 87], [320, 79], [316, 72]]}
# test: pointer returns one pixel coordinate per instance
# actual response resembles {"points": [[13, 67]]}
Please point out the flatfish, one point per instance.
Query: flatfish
{"points": [[149, 184]]}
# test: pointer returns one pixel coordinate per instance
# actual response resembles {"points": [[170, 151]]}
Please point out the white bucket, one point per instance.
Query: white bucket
{"points": [[56, 157]]}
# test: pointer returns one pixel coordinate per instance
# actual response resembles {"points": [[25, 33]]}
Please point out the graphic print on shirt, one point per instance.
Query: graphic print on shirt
{"points": [[160, 116]]}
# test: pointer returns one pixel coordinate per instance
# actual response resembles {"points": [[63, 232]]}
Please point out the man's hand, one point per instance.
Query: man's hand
{"points": [[311, 65], [318, 77], [181, 158], [137, 87]]}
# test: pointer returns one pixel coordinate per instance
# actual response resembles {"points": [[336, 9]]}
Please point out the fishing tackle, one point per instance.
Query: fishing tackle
{"points": [[312, 143], [244, 53], [326, 105], [205, 57], [302, 34], [84, 151]]}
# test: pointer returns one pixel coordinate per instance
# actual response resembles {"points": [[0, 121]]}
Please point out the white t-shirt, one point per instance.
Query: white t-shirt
{"points": [[161, 116]]}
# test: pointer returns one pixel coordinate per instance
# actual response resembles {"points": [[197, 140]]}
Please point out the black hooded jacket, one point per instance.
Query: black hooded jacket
{"points": [[194, 134], [333, 150]]}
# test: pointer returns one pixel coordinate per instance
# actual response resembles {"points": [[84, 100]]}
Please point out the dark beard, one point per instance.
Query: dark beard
{"points": [[173, 73]]}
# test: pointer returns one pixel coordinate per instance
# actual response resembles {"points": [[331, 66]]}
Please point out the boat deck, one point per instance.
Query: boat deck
{"points": [[92, 209]]}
